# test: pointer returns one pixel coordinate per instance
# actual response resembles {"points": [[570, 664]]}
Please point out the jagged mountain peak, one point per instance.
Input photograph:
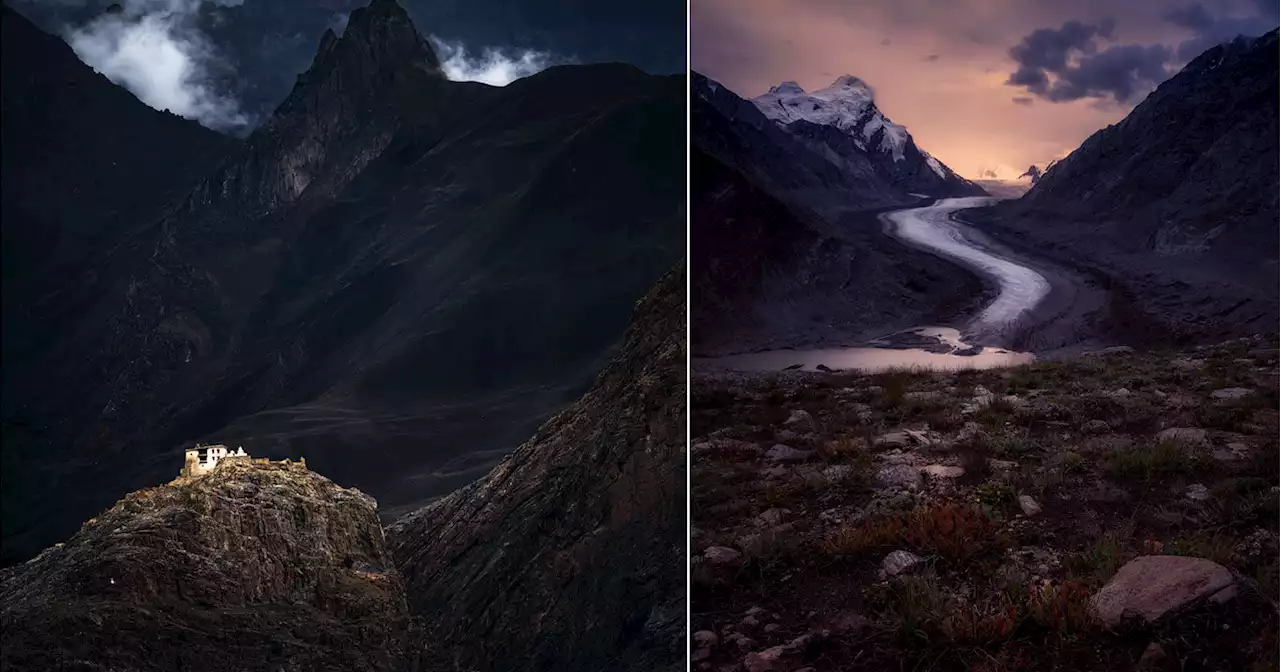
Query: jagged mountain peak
{"points": [[787, 87], [847, 104], [853, 84]]}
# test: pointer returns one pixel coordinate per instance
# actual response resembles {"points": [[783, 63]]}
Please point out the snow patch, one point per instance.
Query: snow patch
{"points": [[848, 104], [933, 163]]}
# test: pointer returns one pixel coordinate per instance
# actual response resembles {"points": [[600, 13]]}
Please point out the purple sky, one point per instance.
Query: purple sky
{"points": [[980, 84]]}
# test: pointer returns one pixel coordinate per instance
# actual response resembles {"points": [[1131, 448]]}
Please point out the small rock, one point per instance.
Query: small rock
{"points": [[902, 476], [784, 453], [923, 395], [942, 471], [773, 516], [753, 611], [776, 471], [1029, 505], [1191, 436], [1152, 586], [769, 660], [837, 472], [1095, 427], [700, 653], [1230, 393], [749, 621], [785, 435], [1001, 465], [921, 438], [1197, 492], [1187, 364], [721, 555], [1121, 393], [1153, 659], [893, 439], [705, 638], [898, 562], [772, 628], [799, 417], [849, 622]]}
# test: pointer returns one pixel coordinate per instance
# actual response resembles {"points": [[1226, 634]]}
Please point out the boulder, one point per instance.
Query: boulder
{"points": [[898, 562], [721, 555], [1153, 586]]}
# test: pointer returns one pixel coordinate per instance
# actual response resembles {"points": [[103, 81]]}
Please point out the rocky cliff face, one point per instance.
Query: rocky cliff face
{"points": [[569, 555], [251, 567], [1178, 202], [406, 275]]}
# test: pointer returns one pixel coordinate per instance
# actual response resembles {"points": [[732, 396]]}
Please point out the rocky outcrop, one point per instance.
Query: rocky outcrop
{"points": [[250, 567], [1176, 205], [569, 555]]}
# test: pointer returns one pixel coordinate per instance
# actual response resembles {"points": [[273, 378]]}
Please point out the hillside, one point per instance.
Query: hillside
{"points": [[1176, 203]]}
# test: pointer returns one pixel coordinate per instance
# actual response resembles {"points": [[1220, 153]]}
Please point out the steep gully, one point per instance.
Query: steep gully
{"points": [[1038, 307]]}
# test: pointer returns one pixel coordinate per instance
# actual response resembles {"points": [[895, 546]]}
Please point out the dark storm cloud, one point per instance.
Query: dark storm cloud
{"points": [[1022, 100], [1213, 30], [1071, 62], [1067, 63]]}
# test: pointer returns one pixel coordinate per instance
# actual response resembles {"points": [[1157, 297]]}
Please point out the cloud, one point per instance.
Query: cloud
{"points": [[493, 66], [1210, 31], [1069, 63], [154, 49], [1066, 64], [1023, 100], [932, 58]]}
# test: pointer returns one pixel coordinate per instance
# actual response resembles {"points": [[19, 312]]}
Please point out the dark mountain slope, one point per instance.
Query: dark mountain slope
{"points": [[784, 252], [1179, 201], [82, 160], [570, 554], [399, 276]]}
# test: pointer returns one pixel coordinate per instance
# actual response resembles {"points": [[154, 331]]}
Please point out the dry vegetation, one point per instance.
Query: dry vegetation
{"points": [[804, 485]]}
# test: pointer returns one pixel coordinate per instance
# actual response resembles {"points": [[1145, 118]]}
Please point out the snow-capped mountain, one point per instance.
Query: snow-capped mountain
{"points": [[848, 106]]}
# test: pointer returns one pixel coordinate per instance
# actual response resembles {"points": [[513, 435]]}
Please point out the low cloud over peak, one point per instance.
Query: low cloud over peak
{"points": [[493, 66], [155, 49]]}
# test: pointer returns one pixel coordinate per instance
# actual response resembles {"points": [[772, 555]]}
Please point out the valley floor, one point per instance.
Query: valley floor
{"points": [[970, 520]]}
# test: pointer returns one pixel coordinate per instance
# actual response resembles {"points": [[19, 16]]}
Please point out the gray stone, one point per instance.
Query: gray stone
{"points": [[1153, 659], [1197, 492], [1230, 393], [899, 476], [1190, 436], [769, 660], [942, 471], [785, 453], [898, 562], [1095, 427], [773, 516], [721, 555], [705, 638], [799, 417], [1029, 505], [1152, 586], [894, 439]]}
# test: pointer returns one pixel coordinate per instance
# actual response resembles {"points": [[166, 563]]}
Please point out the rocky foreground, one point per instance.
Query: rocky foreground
{"points": [[1118, 511]]}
